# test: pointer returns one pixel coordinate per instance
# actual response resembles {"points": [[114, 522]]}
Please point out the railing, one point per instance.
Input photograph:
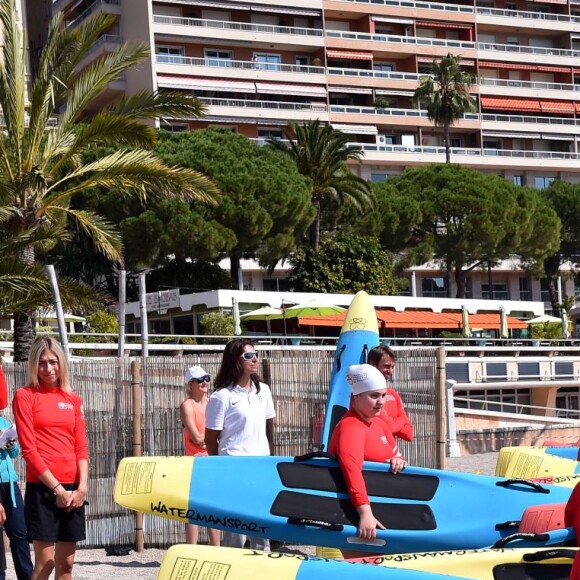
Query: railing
{"points": [[547, 51], [390, 112], [519, 118], [252, 104], [106, 38], [237, 64], [484, 11], [418, 4], [394, 39], [92, 8], [237, 26], [529, 85], [375, 74]]}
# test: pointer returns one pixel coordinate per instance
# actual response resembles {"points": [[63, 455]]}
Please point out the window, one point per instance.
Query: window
{"points": [[541, 182], [275, 285], [456, 142], [568, 402], [500, 291], [518, 180], [545, 290], [267, 61], [525, 293], [498, 400], [301, 61], [434, 287], [383, 66], [379, 177], [170, 54], [218, 57]]}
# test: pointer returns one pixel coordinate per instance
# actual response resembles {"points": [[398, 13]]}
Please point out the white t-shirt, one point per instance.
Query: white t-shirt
{"points": [[241, 417]]}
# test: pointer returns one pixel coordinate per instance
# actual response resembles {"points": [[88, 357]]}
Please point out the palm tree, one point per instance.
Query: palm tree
{"points": [[320, 153], [42, 168], [445, 94]]}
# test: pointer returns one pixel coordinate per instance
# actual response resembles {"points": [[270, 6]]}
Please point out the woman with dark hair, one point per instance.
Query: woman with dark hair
{"points": [[52, 433], [239, 417]]}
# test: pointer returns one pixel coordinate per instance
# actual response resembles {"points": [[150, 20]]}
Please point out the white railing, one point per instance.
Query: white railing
{"points": [[253, 104], [529, 85], [237, 26], [375, 74], [546, 51], [395, 39], [484, 11], [417, 4], [523, 118], [237, 64]]}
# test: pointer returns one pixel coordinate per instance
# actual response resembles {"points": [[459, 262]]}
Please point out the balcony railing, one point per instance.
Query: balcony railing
{"points": [[105, 39], [237, 26], [394, 39], [411, 4], [90, 10], [390, 112], [273, 105], [529, 85], [375, 74], [465, 151], [484, 11], [519, 118], [548, 51], [237, 64]]}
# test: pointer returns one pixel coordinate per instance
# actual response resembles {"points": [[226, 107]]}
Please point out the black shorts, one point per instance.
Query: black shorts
{"points": [[48, 523]]}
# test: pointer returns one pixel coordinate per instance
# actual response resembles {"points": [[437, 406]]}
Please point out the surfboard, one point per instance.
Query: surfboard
{"points": [[359, 333], [212, 563], [533, 462], [500, 564], [306, 502]]}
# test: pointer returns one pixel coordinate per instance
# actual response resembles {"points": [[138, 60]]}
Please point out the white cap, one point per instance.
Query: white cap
{"points": [[194, 373], [364, 378]]}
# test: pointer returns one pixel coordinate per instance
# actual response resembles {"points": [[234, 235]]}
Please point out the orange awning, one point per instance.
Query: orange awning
{"points": [[348, 54], [577, 107], [429, 24], [511, 104], [421, 319], [519, 66], [564, 107]]}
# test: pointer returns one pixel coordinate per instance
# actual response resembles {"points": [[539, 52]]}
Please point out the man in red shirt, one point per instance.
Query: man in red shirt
{"points": [[394, 414], [3, 389]]}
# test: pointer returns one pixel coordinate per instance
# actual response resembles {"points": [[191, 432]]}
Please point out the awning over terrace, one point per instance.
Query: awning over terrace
{"points": [[205, 84], [526, 105], [349, 54]]}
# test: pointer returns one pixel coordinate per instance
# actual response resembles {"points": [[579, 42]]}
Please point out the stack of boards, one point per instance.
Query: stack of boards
{"points": [[209, 563]]}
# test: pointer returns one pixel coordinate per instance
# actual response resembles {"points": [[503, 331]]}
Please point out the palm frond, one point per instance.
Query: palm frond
{"points": [[146, 105]]}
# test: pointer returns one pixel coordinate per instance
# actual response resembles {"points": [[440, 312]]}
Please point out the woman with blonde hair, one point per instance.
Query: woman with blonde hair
{"points": [[52, 433]]}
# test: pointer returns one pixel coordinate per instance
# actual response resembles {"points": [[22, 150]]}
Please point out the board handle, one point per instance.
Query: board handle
{"points": [[333, 527], [314, 455], [550, 555], [520, 536], [532, 484], [339, 357]]}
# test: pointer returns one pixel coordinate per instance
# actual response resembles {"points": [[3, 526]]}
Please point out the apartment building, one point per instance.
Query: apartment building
{"points": [[257, 64]]}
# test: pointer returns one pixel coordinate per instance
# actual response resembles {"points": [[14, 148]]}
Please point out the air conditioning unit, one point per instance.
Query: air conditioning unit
{"points": [[382, 140]]}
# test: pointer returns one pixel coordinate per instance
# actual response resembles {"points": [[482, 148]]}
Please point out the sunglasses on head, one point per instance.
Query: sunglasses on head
{"points": [[249, 355], [204, 379]]}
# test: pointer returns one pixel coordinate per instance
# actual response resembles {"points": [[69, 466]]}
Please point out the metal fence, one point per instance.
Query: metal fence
{"points": [[299, 380]]}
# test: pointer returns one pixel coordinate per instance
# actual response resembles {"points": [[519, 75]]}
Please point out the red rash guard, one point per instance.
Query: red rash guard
{"points": [[354, 441], [51, 431], [394, 415], [3, 390]]}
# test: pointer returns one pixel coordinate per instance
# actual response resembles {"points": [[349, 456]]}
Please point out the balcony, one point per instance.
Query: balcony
{"points": [[107, 6], [375, 74], [407, 40], [551, 52], [416, 5], [544, 19], [243, 31], [505, 87], [390, 112]]}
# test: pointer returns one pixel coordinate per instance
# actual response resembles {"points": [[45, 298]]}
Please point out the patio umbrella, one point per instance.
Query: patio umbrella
{"points": [[503, 324], [544, 318], [236, 317], [565, 330], [266, 313], [312, 308], [465, 322]]}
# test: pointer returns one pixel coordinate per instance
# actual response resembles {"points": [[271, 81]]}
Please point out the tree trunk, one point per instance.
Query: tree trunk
{"points": [[315, 227], [447, 144], [24, 333], [235, 269], [460, 282], [553, 293]]}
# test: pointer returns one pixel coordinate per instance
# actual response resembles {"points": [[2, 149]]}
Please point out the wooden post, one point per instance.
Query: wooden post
{"points": [[440, 408], [266, 371], [136, 396]]}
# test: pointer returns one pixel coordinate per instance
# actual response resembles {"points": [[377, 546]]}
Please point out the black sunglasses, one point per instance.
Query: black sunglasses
{"points": [[249, 355], [204, 379]]}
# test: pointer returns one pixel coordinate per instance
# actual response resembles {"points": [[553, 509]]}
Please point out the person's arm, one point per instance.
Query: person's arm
{"points": [[398, 420], [211, 441], [187, 415], [270, 433]]}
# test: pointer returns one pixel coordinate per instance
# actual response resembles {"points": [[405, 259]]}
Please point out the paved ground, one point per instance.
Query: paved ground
{"points": [[96, 565]]}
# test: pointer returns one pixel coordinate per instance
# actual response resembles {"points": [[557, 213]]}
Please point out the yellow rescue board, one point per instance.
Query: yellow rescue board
{"points": [[532, 462], [140, 483]]}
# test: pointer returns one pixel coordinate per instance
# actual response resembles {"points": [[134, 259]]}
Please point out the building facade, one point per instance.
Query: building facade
{"points": [[257, 64]]}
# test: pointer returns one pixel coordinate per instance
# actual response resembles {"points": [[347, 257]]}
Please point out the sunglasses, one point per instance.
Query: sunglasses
{"points": [[249, 355], [204, 379]]}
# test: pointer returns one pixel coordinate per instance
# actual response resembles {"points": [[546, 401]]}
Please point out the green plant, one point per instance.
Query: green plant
{"points": [[382, 103], [102, 321], [546, 331], [217, 324]]}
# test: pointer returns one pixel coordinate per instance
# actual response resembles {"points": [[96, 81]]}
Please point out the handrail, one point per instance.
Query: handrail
{"points": [[417, 4], [254, 104], [90, 10], [529, 84], [485, 11], [548, 51]]}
